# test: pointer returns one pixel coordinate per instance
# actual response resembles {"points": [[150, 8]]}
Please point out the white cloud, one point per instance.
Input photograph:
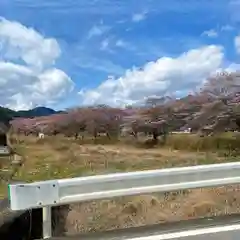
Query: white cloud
{"points": [[237, 44], [121, 43], [137, 17], [164, 76], [104, 44], [233, 7], [27, 75], [108, 44], [97, 30], [20, 42], [227, 28], [126, 45], [100, 64], [210, 33], [233, 67]]}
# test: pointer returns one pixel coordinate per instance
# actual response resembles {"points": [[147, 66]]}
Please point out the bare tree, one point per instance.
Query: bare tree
{"points": [[156, 128], [157, 101], [222, 86]]}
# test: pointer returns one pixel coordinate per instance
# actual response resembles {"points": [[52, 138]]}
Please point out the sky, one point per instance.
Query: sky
{"points": [[66, 53]]}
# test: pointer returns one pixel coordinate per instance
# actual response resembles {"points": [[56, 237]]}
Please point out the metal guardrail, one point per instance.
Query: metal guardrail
{"points": [[65, 191], [4, 150]]}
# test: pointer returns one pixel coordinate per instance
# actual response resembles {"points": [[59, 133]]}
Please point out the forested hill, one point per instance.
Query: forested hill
{"points": [[7, 114]]}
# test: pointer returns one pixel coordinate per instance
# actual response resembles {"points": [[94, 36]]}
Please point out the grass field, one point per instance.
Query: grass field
{"points": [[59, 157]]}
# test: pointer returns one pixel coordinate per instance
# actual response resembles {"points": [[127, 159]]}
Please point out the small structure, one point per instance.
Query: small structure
{"points": [[188, 130], [5, 149], [41, 135], [207, 130]]}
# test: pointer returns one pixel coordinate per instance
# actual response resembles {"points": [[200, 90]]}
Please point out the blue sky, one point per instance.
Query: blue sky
{"points": [[147, 47]]}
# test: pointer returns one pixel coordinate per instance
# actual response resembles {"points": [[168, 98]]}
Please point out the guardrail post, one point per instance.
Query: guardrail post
{"points": [[47, 222]]}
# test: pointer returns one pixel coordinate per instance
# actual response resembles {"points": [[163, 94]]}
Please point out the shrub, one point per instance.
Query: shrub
{"points": [[225, 142]]}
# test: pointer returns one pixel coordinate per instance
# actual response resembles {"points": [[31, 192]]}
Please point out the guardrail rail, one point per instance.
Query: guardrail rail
{"points": [[46, 194]]}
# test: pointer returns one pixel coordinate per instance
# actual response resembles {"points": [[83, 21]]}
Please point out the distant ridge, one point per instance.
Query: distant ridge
{"points": [[7, 114]]}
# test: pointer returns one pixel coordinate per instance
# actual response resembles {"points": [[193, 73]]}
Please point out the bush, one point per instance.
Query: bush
{"points": [[226, 142]]}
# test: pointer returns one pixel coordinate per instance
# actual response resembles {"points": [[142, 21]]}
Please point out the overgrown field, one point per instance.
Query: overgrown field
{"points": [[61, 157]]}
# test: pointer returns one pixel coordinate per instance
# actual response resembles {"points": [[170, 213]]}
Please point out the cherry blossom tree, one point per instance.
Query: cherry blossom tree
{"points": [[222, 86]]}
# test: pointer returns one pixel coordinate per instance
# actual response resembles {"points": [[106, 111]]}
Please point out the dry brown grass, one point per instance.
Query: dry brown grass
{"points": [[152, 209], [59, 157]]}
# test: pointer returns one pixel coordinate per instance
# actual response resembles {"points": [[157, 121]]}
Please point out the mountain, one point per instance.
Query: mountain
{"points": [[37, 112], [7, 114]]}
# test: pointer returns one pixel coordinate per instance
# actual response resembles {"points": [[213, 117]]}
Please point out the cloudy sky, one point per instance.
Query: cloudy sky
{"points": [[69, 53]]}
